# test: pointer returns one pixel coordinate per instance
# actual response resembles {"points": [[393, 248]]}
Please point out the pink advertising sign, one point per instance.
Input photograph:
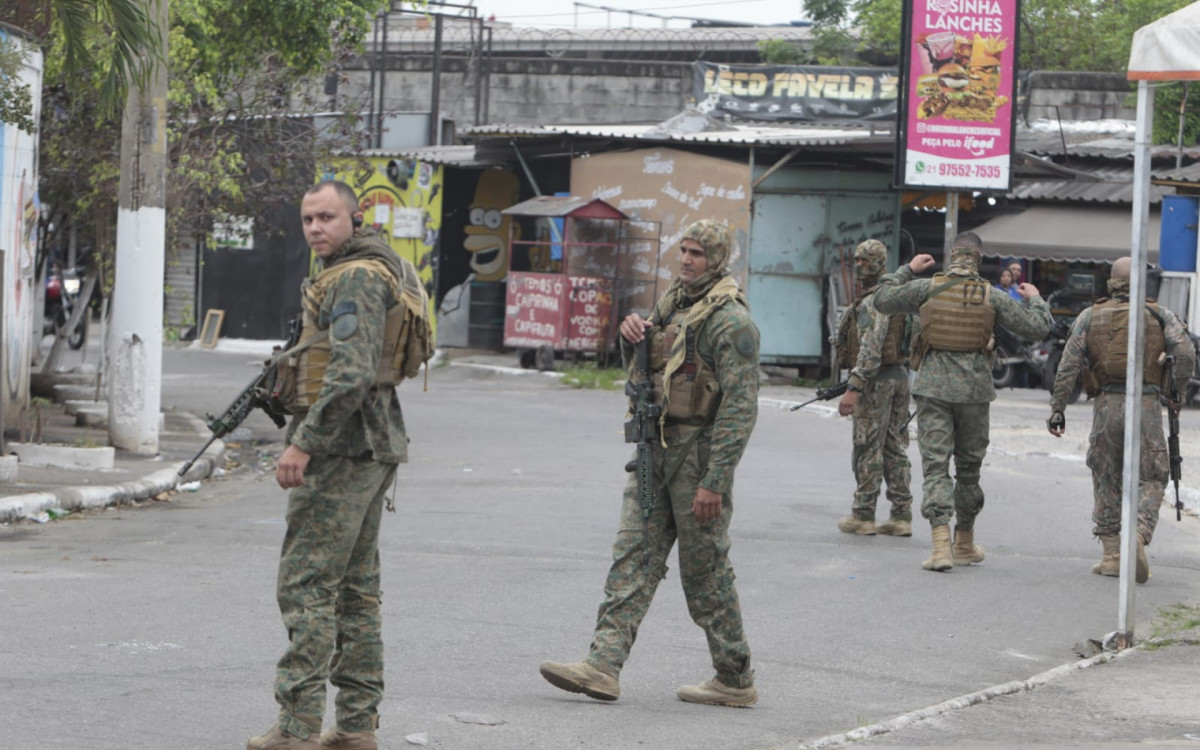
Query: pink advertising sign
{"points": [[959, 92]]}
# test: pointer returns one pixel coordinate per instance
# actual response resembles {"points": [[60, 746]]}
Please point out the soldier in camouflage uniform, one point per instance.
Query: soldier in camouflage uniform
{"points": [[1099, 344], [340, 460], [954, 382], [878, 395], [704, 356]]}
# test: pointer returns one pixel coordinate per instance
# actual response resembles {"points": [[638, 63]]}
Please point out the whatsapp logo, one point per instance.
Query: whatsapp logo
{"points": [[919, 167]]}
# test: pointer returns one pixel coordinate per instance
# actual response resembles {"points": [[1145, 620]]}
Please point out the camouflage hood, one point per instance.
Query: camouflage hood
{"points": [[366, 243], [713, 236]]}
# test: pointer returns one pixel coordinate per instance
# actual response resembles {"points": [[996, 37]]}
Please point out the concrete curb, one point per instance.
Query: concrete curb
{"points": [[74, 498], [964, 701]]}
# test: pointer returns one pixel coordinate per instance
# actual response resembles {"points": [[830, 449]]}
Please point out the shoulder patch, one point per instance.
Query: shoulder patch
{"points": [[347, 307], [746, 342], [344, 326]]}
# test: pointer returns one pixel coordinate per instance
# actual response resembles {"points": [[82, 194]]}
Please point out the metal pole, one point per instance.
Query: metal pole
{"points": [[435, 129], [382, 52], [1131, 468], [951, 225]]}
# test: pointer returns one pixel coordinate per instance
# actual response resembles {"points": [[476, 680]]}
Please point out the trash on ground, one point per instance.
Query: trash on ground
{"points": [[189, 487], [484, 719], [420, 738], [42, 517], [57, 513]]}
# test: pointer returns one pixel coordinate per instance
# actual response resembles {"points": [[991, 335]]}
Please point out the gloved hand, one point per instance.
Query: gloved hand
{"points": [[1057, 424]]}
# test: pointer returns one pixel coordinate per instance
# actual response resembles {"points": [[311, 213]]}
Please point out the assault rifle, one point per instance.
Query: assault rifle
{"points": [[256, 394], [1171, 399], [826, 394], [642, 428]]}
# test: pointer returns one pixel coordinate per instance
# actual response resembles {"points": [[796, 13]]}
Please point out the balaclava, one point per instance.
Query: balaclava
{"points": [[873, 253], [714, 238]]}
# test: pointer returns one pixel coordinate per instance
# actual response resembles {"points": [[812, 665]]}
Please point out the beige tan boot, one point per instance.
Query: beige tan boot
{"points": [[894, 527], [941, 559], [1142, 572], [716, 693], [1110, 563], [852, 525], [965, 551], [278, 739], [581, 677], [339, 739]]}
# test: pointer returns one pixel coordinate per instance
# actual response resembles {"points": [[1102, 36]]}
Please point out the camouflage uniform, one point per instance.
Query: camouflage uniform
{"points": [[696, 455], [1106, 444], [953, 390], [328, 587], [881, 415]]}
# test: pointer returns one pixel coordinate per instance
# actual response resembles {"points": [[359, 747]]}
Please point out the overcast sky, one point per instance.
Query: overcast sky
{"points": [[565, 14]]}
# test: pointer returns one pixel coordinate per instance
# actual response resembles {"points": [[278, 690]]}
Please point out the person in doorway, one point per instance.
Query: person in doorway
{"points": [[1018, 273], [875, 346], [954, 387], [343, 446], [704, 364], [1006, 285], [1098, 344]]}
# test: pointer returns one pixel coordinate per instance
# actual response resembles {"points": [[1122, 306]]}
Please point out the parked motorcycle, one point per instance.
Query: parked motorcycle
{"points": [[1013, 357], [62, 296], [1065, 306]]}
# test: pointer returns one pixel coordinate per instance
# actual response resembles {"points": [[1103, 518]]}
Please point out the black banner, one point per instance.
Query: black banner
{"points": [[796, 92]]}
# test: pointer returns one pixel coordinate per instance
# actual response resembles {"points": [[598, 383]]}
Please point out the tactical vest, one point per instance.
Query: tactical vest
{"points": [[1108, 342], [849, 339], [407, 335], [958, 315], [695, 391]]}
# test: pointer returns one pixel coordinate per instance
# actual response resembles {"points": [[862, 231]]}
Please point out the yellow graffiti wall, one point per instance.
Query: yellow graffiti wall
{"points": [[402, 198]]}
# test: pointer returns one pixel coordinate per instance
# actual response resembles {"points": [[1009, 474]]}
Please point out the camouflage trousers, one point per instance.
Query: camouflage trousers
{"points": [[1106, 459], [881, 449], [328, 592], [704, 570], [946, 430]]}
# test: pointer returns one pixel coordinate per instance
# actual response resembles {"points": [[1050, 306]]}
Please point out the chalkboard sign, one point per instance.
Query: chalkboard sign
{"points": [[212, 328]]}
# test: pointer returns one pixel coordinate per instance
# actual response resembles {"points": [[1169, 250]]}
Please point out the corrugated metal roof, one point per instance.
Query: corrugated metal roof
{"points": [[455, 156], [1094, 146], [1186, 174], [1115, 186], [742, 133], [559, 205]]}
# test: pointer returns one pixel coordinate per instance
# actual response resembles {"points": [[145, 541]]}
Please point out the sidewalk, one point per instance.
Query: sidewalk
{"points": [[40, 492], [1138, 698]]}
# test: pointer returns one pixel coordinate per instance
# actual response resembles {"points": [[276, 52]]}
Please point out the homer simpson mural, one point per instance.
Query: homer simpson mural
{"points": [[487, 236]]}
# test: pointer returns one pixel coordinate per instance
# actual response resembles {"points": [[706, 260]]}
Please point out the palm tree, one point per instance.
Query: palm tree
{"points": [[119, 36]]}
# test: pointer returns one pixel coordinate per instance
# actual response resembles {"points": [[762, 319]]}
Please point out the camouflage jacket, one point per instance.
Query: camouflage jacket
{"points": [[352, 416], [959, 377], [728, 343], [1075, 357], [872, 327]]}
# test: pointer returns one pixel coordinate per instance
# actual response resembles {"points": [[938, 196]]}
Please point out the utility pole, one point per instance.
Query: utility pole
{"points": [[136, 329]]}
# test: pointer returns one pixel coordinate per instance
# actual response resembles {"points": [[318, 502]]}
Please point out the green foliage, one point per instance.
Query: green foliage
{"points": [[1085, 35], [1167, 100], [878, 23], [16, 99], [1170, 622], [114, 42], [780, 52], [239, 73], [588, 375]]}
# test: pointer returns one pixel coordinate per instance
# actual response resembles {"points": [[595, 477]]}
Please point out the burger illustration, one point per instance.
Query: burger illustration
{"points": [[952, 78]]}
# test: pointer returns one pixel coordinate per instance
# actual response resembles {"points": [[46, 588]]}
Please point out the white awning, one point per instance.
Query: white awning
{"points": [[1168, 49], [1065, 233]]}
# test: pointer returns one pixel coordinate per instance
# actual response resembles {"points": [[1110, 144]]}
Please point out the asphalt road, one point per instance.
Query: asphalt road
{"points": [[155, 627]]}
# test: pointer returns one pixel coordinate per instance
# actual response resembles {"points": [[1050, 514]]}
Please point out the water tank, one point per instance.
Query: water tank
{"points": [[1177, 243]]}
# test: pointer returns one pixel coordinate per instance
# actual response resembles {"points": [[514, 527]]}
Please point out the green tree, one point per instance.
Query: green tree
{"points": [[239, 141], [110, 39], [780, 52]]}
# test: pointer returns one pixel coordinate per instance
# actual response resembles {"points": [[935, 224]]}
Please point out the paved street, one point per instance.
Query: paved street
{"points": [[156, 627]]}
